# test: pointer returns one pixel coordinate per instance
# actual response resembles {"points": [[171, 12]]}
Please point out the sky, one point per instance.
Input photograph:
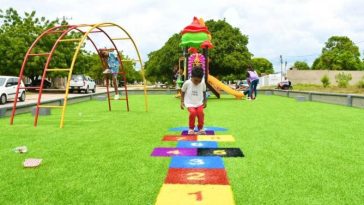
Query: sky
{"points": [[295, 29]]}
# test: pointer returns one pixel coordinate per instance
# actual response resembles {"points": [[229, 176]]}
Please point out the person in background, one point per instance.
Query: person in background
{"points": [[284, 83], [253, 78]]}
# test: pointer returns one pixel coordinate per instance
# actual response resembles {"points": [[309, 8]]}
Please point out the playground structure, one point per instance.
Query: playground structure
{"points": [[194, 36], [63, 34]]}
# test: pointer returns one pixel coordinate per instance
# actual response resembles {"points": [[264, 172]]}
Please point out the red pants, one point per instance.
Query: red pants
{"points": [[196, 112]]}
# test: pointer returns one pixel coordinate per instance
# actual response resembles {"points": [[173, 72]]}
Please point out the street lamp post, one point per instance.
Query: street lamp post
{"points": [[281, 67]]}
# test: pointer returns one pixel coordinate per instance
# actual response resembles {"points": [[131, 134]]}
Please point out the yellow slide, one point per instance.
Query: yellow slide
{"points": [[218, 84]]}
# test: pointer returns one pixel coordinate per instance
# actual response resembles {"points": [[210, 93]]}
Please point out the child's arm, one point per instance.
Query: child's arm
{"points": [[183, 92], [182, 100]]}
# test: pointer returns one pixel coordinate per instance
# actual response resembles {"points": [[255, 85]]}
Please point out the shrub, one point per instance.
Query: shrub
{"points": [[325, 81], [343, 79], [361, 83]]}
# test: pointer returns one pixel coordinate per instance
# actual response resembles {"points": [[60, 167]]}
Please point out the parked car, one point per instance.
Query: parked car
{"points": [[242, 85], [36, 83], [82, 83], [8, 86]]}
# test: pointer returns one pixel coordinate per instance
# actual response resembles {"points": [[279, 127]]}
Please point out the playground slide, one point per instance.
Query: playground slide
{"points": [[218, 84]]}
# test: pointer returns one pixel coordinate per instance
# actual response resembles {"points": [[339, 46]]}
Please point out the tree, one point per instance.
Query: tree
{"points": [[301, 65], [262, 65], [161, 62], [339, 53], [19, 32], [230, 54]]}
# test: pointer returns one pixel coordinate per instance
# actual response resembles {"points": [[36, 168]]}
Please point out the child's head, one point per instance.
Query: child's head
{"points": [[105, 54], [196, 75]]}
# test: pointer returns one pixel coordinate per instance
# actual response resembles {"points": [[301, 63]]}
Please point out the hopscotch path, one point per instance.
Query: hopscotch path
{"points": [[196, 173]]}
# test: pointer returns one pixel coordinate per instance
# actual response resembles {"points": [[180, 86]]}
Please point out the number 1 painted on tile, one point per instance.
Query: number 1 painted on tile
{"points": [[198, 195]]}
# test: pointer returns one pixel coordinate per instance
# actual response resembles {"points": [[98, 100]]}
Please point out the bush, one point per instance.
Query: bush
{"points": [[325, 81], [361, 83], [343, 79]]}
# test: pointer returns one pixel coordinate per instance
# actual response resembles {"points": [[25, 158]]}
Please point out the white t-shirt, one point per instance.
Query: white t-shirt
{"points": [[193, 93]]}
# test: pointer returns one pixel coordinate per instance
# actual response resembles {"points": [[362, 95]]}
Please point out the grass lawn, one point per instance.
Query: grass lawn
{"points": [[296, 153]]}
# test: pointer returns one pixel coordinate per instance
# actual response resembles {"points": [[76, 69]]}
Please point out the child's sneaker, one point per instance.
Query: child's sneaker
{"points": [[191, 132], [201, 132], [107, 71], [116, 97]]}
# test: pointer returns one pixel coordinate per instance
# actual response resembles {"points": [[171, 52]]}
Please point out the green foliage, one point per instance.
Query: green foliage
{"points": [[301, 65], [262, 65], [339, 53], [229, 56], [19, 32], [160, 65], [325, 81], [343, 79], [361, 83]]}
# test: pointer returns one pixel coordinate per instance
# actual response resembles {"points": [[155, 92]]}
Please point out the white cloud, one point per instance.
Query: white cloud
{"points": [[294, 28]]}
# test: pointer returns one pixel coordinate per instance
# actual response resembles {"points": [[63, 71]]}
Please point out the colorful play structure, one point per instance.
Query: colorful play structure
{"points": [[65, 34], [195, 36]]}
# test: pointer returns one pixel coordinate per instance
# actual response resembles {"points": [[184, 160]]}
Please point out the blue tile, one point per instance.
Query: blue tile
{"points": [[197, 144], [196, 162]]}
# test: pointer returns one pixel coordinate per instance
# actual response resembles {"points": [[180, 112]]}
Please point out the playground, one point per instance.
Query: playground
{"points": [[308, 145]]}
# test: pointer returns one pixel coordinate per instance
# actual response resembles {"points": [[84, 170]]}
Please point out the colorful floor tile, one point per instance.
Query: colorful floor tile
{"points": [[167, 152], [204, 144], [208, 132], [218, 138], [196, 176], [179, 138], [173, 194], [196, 162], [222, 152], [221, 129]]}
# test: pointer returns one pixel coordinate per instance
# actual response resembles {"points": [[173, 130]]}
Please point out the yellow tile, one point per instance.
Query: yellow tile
{"points": [[176, 194], [219, 138]]}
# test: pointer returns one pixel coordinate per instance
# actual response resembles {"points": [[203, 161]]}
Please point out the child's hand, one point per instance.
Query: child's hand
{"points": [[204, 105], [182, 106]]}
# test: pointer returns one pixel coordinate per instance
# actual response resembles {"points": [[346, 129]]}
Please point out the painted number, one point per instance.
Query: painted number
{"points": [[196, 162], [197, 144], [175, 152], [219, 152], [196, 176], [198, 195]]}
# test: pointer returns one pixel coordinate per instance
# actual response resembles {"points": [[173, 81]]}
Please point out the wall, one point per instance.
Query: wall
{"points": [[314, 76], [269, 80]]}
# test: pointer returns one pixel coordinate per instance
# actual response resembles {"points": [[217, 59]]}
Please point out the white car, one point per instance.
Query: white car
{"points": [[8, 86], [82, 83]]}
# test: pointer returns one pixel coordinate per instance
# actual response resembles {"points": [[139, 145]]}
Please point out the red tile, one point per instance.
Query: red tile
{"points": [[180, 138], [196, 176]]}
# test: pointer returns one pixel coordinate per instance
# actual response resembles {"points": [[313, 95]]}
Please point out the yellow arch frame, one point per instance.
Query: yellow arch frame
{"points": [[81, 42]]}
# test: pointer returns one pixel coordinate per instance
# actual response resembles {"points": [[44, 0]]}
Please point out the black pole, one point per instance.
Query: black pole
{"points": [[207, 66], [185, 54]]}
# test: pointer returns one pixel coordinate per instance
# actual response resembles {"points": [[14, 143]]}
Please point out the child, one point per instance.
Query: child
{"points": [[112, 68], [194, 98], [253, 78]]}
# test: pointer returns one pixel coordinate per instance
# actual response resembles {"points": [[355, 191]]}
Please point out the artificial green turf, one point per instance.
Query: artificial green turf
{"points": [[296, 153]]}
